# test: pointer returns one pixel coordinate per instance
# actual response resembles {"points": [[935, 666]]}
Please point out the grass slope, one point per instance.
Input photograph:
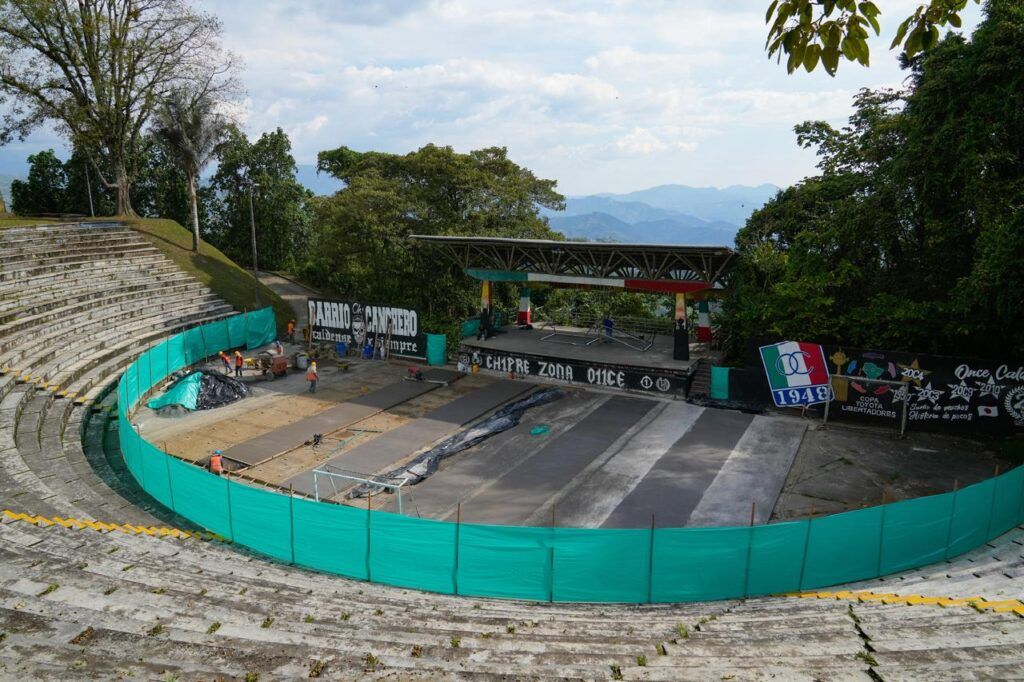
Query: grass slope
{"points": [[209, 266], [12, 221]]}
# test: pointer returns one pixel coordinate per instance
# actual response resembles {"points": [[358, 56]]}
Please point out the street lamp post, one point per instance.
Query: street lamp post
{"points": [[252, 232]]}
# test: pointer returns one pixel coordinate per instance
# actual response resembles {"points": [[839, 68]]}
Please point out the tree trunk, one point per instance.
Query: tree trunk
{"points": [[195, 211], [123, 184]]}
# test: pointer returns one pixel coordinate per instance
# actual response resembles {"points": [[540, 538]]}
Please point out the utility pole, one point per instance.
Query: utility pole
{"points": [[88, 186], [252, 231]]}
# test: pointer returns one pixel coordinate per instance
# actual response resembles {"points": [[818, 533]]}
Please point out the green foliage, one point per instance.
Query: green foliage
{"points": [[44, 189], [190, 129], [563, 306], [97, 70], [360, 246], [279, 201], [161, 189], [53, 186], [913, 235], [809, 31]]}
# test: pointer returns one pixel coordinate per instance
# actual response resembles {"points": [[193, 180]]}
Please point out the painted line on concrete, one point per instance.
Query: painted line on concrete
{"points": [[591, 503], [100, 526], [865, 596], [754, 473]]}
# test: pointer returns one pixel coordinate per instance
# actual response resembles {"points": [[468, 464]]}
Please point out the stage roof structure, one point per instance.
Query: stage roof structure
{"points": [[667, 268]]}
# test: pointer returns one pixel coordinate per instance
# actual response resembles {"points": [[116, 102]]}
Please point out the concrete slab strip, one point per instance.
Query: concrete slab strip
{"points": [[383, 452], [262, 448], [676, 483], [515, 496], [755, 472], [590, 505]]}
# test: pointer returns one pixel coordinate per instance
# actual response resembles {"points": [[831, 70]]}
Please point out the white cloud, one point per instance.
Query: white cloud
{"points": [[600, 94]]}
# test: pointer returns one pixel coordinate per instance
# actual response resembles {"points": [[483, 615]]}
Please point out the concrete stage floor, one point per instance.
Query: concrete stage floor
{"points": [[515, 340], [613, 461]]}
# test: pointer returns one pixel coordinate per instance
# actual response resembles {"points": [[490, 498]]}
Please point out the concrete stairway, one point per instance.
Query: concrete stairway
{"points": [[85, 604]]}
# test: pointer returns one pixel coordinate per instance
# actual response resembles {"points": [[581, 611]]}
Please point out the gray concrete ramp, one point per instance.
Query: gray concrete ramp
{"points": [[392, 447], [754, 473], [464, 476], [515, 496], [676, 483], [594, 500], [261, 448]]}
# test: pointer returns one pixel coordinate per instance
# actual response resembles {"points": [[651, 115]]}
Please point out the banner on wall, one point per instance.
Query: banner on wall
{"points": [[797, 373], [577, 371], [943, 393], [355, 323]]}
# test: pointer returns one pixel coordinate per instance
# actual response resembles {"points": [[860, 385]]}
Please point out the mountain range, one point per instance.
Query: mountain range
{"points": [[668, 214]]}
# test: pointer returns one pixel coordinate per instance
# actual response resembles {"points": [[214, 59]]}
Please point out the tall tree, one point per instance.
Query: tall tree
{"points": [[360, 245], [191, 128], [45, 188], [264, 173], [912, 236], [97, 69]]}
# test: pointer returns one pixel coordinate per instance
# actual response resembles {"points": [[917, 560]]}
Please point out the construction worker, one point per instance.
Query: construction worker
{"points": [[227, 362], [290, 337], [239, 362], [217, 463], [312, 376], [278, 347]]}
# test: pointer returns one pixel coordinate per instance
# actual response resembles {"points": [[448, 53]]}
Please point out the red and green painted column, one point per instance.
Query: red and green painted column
{"points": [[703, 321], [524, 306]]}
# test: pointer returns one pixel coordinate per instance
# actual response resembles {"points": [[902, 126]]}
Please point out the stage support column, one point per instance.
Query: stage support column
{"points": [[681, 344], [703, 322], [524, 306], [485, 294]]}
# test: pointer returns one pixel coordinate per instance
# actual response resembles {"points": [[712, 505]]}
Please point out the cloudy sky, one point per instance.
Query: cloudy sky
{"points": [[611, 95]]}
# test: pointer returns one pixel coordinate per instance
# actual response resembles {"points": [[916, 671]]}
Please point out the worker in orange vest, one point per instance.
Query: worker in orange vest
{"points": [[227, 362], [239, 361], [291, 331], [216, 463]]}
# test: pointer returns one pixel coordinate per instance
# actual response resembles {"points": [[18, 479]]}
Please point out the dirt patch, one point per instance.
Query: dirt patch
{"points": [[842, 467], [306, 457], [271, 405]]}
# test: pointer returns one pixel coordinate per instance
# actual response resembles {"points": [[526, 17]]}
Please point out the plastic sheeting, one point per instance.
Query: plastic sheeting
{"points": [[201, 391], [425, 464], [563, 564], [183, 392]]}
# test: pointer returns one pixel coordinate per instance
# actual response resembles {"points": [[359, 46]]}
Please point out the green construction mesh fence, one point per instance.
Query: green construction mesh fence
{"points": [[549, 564]]}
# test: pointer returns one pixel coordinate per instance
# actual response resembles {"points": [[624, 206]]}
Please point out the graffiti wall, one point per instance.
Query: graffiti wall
{"points": [[576, 371], [357, 323], [941, 393]]}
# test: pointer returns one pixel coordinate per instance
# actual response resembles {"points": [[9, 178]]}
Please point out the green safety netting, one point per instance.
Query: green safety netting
{"points": [[184, 392], [699, 563], [261, 519], [556, 564], [261, 328], [505, 561]]}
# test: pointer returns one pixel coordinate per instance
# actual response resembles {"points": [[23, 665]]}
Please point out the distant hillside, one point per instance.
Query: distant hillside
{"points": [[626, 211], [732, 204], [669, 214], [674, 230]]}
